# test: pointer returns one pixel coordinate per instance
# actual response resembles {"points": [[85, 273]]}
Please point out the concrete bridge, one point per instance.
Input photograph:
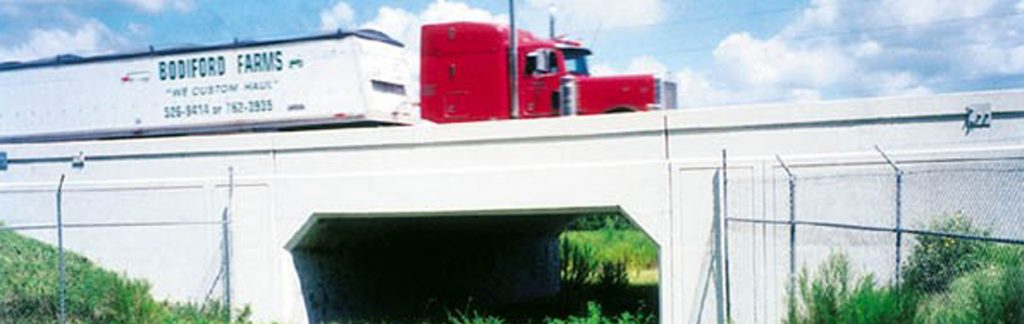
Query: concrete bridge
{"points": [[335, 223]]}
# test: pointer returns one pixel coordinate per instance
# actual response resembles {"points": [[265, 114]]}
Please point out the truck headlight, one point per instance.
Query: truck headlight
{"points": [[664, 94]]}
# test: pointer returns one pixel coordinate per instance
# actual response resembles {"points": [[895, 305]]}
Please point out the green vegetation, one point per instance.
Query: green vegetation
{"points": [[835, 296], [936, 261], [599, 222], [596, 316], [629, 246], [611, 241], [29, 291], [946, 280]]}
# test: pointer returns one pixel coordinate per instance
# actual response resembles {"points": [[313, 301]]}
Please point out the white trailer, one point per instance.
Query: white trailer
{"points": [[341, 78]]}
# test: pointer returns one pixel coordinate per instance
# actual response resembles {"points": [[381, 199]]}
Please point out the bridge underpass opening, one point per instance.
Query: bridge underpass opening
{"points": [[423, 266]]}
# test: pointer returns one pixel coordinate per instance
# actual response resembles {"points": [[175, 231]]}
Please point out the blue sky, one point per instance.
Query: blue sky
{"points": [[719, 51]]}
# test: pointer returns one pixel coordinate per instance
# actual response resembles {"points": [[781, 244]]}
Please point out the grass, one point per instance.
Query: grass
{"points": [[29, 291], [629, 246]]}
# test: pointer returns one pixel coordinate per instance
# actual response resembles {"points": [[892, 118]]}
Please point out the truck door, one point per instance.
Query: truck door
{"points": [[538, 90]]}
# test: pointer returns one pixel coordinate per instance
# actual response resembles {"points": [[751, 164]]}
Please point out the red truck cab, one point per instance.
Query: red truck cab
{"points": [[464, 77]]}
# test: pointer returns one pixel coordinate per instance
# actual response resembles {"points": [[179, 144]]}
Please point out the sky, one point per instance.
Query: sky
{"points": [[720, 52]]}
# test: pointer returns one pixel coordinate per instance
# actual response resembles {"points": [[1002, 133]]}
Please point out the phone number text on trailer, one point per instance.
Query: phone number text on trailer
{"points": [[228, 108]]}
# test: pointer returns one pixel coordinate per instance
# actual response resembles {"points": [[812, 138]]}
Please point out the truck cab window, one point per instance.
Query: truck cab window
{"points": [[576, 60]]}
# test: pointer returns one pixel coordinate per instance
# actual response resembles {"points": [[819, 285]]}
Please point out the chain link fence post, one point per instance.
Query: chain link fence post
{"points": [[791, 221], [60, 252], [226, 248], [899, 213], [717, 263], [725, 234]]}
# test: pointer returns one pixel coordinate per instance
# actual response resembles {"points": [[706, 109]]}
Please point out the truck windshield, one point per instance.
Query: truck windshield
{"points": [[576, 60]]}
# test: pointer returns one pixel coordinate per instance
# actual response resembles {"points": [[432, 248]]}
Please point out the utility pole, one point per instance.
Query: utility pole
{"points": [[513, 58]]}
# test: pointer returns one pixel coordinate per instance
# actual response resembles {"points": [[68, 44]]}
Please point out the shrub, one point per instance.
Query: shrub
{"points": [[993, 293], [936, 261]]}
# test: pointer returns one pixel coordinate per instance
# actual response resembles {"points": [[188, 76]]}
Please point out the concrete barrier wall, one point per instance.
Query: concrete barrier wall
{"points": [[149, 207]]}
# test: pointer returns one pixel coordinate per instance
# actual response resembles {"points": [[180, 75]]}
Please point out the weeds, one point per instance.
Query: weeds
{"points": [[595, 316], [472, 317], [835, 296], [946, 281]]}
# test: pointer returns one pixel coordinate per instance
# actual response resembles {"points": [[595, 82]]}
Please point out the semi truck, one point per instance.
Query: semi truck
{"points": [[463, 77], [346, 78]]}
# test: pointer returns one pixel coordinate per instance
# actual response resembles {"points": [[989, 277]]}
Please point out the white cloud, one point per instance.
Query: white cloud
{"points": [[602, 70], [638, 65], [921, 12], [89, 38], [647, 65], [819, 13], [754, 62], [1020, 6], [155, 6], [592, 14], [405, 26], [340, 15], [867, 49], [695, 90], [896, 83], [445, 11]]}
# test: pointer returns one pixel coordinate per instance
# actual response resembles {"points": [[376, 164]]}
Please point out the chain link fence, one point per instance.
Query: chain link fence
{"points": [[74, 253], [942, 240]]}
